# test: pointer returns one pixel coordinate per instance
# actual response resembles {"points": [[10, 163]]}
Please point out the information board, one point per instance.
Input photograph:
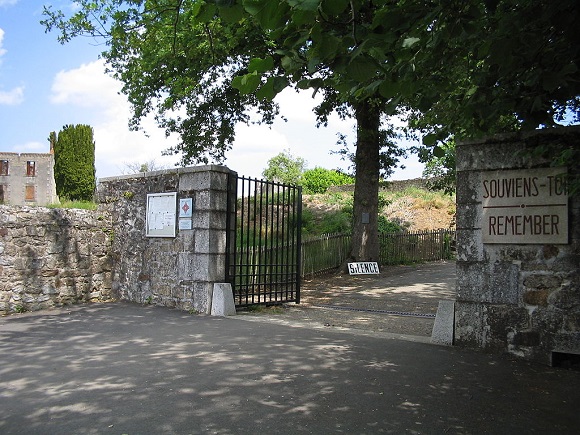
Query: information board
{"points": [[525, 206], [161, 214]]}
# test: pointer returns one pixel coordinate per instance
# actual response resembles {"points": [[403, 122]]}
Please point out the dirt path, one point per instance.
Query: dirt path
{"points": [[400, 300]]}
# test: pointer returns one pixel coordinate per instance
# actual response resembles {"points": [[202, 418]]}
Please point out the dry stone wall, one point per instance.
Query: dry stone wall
{"points": [[518, 278], [53, 257]]}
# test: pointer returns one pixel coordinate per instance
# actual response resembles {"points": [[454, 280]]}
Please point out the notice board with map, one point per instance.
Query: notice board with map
{"points": [[161, 214]]}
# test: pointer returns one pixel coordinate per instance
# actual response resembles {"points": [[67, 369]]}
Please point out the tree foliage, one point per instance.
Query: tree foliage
{"points": [[177, 60], [285, 168], [439, 169], [454, 68], [318, 180], [74, 163]]}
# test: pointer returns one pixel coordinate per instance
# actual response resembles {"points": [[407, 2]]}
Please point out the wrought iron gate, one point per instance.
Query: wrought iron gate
{"points": [[264, 242]]}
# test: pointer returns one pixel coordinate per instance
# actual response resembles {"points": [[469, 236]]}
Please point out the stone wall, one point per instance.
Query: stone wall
{"points": [[519, 297], [53, 257], [177, 271]]}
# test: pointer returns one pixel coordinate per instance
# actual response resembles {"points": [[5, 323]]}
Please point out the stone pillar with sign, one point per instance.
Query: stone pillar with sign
{"points": [[203, 205], [518, 246], [169, 234]]}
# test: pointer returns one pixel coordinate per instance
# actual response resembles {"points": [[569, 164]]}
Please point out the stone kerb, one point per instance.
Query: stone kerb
{"points": [[53, 257], [522, 297], [175, 271]]}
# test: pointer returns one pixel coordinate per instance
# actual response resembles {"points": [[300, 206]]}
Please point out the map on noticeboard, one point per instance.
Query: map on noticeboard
{"points": [[161, 214]]}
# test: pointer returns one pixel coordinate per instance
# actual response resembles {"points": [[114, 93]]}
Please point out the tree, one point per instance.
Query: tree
{"points": [[285, 168], [318, 180], [457, 69], [318, 48], [214, 61], [74, 163], [439, 169]]}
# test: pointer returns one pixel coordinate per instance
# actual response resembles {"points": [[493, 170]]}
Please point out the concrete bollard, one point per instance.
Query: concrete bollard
{"points": [[222, 303], [444, 322]]}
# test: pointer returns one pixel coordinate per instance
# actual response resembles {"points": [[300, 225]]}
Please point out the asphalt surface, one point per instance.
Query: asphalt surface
{"points": [[399, 302], [123, 368]]}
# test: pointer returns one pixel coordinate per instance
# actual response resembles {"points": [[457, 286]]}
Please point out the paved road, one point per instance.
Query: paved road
{"points": [[381, 304], [129, 369]]}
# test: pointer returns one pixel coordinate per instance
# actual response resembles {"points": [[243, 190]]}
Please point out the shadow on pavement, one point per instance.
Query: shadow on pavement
{"points": [[130, 369]]}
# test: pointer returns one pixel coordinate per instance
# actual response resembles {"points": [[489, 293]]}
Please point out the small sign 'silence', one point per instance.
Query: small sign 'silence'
{"points": [[525, 206], [366, 268]]}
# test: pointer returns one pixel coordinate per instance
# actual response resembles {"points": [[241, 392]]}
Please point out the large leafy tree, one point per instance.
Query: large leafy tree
{"points": [[176, 60], [203, 66], [455, 68]]}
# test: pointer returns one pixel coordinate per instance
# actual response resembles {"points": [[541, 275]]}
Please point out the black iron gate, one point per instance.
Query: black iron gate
{"points": [[264, 242]]}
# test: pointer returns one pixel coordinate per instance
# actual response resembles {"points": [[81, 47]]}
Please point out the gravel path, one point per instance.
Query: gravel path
{"points": [[401, 300]]}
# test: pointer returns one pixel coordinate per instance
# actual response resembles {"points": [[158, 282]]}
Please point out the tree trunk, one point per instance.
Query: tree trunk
{"points": [[365, 236]]}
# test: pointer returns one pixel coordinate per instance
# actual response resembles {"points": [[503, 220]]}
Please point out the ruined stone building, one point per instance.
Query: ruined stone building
{"points": [[27, 179]]}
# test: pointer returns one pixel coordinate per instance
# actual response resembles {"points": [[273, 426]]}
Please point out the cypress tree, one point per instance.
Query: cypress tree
{"points": [[74, 163]]}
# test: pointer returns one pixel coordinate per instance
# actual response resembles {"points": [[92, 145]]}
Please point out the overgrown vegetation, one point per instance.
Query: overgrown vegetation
{"points": [[289, 169], [85, 205], [318, 180], [331, 212]]}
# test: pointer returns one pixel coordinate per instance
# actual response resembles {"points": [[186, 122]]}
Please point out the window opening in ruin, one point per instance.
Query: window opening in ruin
{"points": [[29, 194], [30, 168], [3, 167], [1, 194]]}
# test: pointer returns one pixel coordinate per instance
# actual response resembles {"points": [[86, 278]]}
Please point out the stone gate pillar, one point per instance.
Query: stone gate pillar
{"points": [[169, 231], [518, 247]]}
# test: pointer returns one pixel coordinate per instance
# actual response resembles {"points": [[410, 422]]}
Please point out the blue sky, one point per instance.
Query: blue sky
{"points": [[45, 85]]}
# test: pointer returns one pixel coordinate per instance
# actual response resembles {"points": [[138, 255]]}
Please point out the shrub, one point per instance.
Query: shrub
{"points": [[387, 227], [318, 180], [336, 222], [74, 163]]}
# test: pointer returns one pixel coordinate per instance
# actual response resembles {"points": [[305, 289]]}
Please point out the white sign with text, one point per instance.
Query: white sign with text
{"points": [[363, 268], [525, 206]]}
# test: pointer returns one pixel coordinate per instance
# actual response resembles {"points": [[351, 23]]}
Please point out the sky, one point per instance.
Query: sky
{"points": [[45, 85]]}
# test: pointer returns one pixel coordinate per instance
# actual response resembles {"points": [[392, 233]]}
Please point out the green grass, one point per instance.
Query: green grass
{"points": [[85, 205]]}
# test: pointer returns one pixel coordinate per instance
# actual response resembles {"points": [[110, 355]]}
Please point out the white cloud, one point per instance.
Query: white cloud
{"points": [[86, 86], [12, 97], [89, 87], [8, 2], [253, 147], [2, 33]]}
